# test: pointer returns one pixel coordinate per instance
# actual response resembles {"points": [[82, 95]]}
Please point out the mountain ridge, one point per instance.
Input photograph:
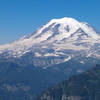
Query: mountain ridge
{"points": [[84, 86]]}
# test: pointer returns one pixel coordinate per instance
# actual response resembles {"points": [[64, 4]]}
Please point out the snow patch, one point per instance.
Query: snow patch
{"points": [[67, 59]]}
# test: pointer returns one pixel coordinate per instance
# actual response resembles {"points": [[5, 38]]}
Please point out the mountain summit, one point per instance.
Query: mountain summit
{"points": [[62, 28], [59, 40]]}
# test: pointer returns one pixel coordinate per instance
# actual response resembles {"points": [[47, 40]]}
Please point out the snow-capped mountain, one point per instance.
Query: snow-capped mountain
{"points": [[60, 40], [61, 48]]}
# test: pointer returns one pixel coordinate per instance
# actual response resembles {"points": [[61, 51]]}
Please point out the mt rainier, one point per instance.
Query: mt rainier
{"points": [[60, 40], [61, 48]]}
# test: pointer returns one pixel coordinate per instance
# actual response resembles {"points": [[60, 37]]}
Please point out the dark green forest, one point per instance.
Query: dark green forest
{"points": [[85, 86]]}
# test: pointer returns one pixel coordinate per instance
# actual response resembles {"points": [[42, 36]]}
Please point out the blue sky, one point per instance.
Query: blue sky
{"points": [[20, 17]]}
